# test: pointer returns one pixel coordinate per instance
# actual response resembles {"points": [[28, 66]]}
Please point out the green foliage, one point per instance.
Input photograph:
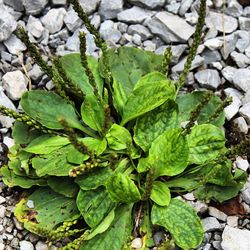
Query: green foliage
{"points": [[109, 148]]}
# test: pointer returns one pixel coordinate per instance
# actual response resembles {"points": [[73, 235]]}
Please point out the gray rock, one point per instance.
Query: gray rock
{"points": [[217, 244], [14, 45], [53, 20], [35, 73], [89, 6], [136, 39], [136, 243], [110, 8], [2, 246], [245, 192], [141, 30], [214, 212], [199, 206], [228, 73], [208, 78], [41, 246], [234, 239], [245, 111], [241, 163], [234, 8], [151, 4], [240, 122], [59, 2], [72, 20], [15, 84], [123, 28], [5, 101], [173, 7], [109, 32], [214, 43], [7, 24], [243, 40], [26, 245], [158, 237], [2, 200], [198, 61], [185, 6], [211, 224], [214, 20], [232, 221], [134, 15], [244, 23], [241, 79], [35, 27], [6, 56], [16, 5], [149, 45], [211, 56], [240, 59], [2, 211], [34, 7], [246, 11], [229, 44]]}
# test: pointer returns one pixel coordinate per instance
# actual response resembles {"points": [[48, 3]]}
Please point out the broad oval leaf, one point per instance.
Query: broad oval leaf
{"points": [[188, 102], [205, 142], [169, 153], [154, 123], [93, 113], [48, 108], [75, 71], [146, 98], [122, 189], [94, 205], [120, 230], [95, 145], [46, 144], [160, 193], [181, 221]]}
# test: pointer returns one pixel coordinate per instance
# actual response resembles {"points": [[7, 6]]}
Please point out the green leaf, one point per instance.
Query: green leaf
{"points": [[64, 186], [95, 145], [50, 209], [146, 98], [143, 165], [94, 178], [93, 112], [154, 123], [181, 221], [52, 164], [122, 189], [188, 102], [75, 71], [76, 157], [48, 108], [160, 193], [94, 205], [169, 152], [22, 133], [120, 230], [10, 179], [46, 144], [205, 142]]}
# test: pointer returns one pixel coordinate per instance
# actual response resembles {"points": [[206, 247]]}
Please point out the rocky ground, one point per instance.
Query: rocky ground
{"points": [[222, 65]]}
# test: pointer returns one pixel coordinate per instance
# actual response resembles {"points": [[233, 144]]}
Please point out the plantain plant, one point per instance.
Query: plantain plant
{"points": [[106, 156]]}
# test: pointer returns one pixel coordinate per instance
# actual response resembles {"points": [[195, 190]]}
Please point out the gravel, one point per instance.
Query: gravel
{"points": [[222, 65]]}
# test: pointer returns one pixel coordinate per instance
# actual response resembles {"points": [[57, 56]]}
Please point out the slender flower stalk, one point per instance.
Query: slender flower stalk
{"points": [[168, 55]]}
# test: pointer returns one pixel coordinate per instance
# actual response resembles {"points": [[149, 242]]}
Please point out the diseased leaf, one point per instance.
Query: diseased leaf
{"points": [[154, 123], [50, 209], [93, 112], [46, 144], [75, 71], [181, 221], [94, 178], [23, 134], [188, 102], [169, 152], [205, 142], [146, 98], [143, 165], [122, 189], [94, 205], [48, 108], [160, 193], [64, 186], [120, 230]]}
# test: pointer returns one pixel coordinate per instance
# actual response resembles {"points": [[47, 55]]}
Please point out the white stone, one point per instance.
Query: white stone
{"points": [[72, 20], [221, 22], [34, 7], [136, 243], [110, 8], [240, 122], [234, 8], [15, 84], [2, 211], [235, 239], [244, 23], [241, 163], [211, 224], [245, 111], [208, 78], [232, 221], [14, 45], [229, 45], [35, 27], [2, 200], [26, 245], [240, 59], [151, 4], [241, 79], [30, 204], [53, 20], [89, 6], [9, 142], [245, 192], [228, 73], [214, 212], [109, 32], [41, 246], [232, 109], [214, 43], [2, 246], [185, 6]]}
